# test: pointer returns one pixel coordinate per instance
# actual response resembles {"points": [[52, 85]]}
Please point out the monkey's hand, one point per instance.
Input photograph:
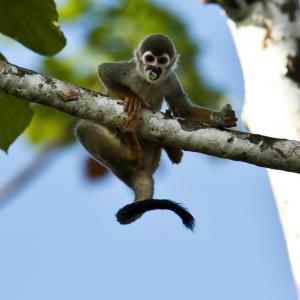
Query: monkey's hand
{"points": [[224, 118], [128, 129], [134, 104]]}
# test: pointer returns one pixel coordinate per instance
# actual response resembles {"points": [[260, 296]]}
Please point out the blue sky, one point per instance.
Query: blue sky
{"points": [[59, 238]]}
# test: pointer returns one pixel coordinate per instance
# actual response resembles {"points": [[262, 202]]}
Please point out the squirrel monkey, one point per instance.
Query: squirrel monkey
{"points": [[144, 81]]}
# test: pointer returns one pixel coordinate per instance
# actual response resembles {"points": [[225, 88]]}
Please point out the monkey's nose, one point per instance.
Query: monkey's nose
{"points": [[153, 72]]}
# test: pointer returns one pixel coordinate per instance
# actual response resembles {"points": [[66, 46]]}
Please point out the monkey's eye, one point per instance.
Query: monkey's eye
{"points": [[162, 60], [149, 58]]}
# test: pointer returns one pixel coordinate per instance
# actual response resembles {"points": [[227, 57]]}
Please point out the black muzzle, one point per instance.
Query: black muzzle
{"points": [[153, 73]]}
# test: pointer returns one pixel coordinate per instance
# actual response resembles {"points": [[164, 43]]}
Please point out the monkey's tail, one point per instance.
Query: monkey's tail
{"points": [[133, 211]]}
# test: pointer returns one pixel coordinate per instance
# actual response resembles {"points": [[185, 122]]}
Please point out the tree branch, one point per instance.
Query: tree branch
{"points": [[251, 148]]}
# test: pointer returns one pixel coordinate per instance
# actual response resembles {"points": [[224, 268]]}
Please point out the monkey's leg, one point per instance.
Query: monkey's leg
{"points": [[132, 106], [129, 136], [103, 144], [107, 148], [223, 118], [142, 184], [174, 154]]}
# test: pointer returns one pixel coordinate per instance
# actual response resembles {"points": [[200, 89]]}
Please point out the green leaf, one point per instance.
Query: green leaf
{"points": [[34, 23], [47, 124], [2, 57], [15, 116], [71, 9]]}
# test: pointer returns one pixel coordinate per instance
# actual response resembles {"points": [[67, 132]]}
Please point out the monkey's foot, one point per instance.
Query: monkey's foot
{"points": [[224, 118], [174, 154], [131, 124], [133, 105], [129, 129]]}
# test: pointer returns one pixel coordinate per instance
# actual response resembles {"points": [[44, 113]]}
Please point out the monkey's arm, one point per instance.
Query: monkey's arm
{"points": [[115, 78], [182, 107]]}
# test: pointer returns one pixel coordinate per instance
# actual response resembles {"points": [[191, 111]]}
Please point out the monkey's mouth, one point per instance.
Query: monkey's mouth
{"points": [[153, 73]]}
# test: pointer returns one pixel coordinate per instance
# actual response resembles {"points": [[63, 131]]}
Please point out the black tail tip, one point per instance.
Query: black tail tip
{"points": [[128, 214], [189, 222], [131, 212]]}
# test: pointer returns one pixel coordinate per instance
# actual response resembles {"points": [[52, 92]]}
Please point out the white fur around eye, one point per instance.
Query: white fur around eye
{"points": [[144, 57], [166, 59]]}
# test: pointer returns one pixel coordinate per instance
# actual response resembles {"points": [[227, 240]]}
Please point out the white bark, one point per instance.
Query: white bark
{"points": [[271, 70]]}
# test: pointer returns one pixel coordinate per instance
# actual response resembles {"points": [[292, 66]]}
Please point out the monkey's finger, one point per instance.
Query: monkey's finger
{"points": [[231, 122], [130, 121], [138, 120], [136, 106], [135, 122], [229, 115], [229, 112], [139, 105], [134, 126], [126, 100], [131, 106], [123, 125]]}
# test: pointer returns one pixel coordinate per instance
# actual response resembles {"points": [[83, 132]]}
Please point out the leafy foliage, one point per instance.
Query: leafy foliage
{"points": [[33, 23], [74, 8], [15, 116], [47, 124]]}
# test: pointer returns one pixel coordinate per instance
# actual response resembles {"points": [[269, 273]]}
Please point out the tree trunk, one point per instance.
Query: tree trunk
{"points": [[267, 36]]}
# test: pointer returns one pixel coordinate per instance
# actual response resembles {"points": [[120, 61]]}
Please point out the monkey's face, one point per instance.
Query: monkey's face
{"points": [[154, 68], [155, 56]]}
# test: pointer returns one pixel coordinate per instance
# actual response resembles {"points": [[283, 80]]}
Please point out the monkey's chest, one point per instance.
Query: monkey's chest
{"points": [[151, 94]]}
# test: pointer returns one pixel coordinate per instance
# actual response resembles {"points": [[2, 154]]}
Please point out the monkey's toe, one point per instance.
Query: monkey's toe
{"points": [[229, 116], [131, 124], [133, 105]]}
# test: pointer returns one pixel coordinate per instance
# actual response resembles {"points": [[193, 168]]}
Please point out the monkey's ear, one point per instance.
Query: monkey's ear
{"points": [[137, 53], [174, 60]]}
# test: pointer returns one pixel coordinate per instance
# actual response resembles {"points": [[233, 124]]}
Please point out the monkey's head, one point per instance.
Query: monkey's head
{"points": [[155, 56]]}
